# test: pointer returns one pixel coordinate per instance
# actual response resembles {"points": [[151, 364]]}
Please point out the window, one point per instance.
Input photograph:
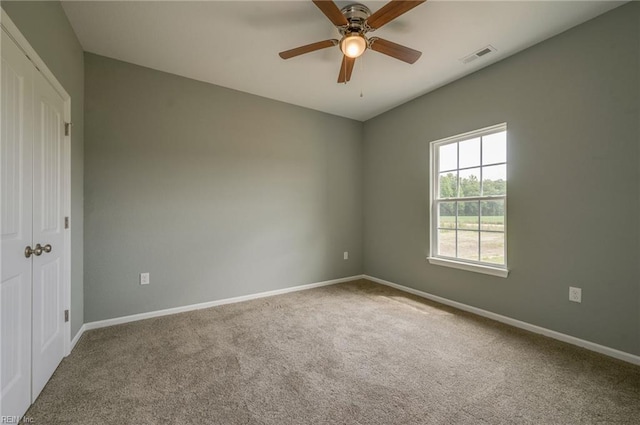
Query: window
{"points": [[469, 200]]}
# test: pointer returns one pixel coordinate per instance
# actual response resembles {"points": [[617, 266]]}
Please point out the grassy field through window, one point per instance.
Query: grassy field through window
{"points": [[472, 230]]}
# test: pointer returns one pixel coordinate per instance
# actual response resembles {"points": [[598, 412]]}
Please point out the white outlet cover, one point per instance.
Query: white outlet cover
{"points": [[144, 278], [346, 255], [575, 294]]}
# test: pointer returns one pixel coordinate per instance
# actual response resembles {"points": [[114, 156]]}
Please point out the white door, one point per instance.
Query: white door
{"points": [[31, 225], [15, 227], [48, 225]]}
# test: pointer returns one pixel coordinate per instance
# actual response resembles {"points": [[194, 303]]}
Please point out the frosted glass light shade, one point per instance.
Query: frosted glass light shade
{"points": [[353, 45]]}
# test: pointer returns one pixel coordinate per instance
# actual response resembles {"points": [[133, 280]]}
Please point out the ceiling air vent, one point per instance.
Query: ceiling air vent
{"points": [[482, 52]]}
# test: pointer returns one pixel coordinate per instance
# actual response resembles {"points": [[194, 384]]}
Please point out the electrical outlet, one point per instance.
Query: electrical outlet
{"points": [[144, 278], [575, 294], [346, 255]]}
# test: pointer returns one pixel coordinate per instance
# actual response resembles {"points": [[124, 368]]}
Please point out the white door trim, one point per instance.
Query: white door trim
{"points": [[12, 30], [22, 42]]}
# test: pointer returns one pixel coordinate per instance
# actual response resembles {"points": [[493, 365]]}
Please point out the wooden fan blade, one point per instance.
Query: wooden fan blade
{"points": [[394, 50], [308, 48], [331, 11], [346, 69], [391, 11]]}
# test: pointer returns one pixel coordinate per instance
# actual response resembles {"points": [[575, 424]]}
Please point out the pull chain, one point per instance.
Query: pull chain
{"points": [[344, 66], [361, 75]]}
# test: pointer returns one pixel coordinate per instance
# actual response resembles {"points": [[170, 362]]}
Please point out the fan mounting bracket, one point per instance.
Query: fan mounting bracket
{"points": [[357, 15]]}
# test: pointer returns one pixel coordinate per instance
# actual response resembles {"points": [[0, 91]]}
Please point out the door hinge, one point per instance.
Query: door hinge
{"points": [[66, 316], [66, 222], [67, 128]]}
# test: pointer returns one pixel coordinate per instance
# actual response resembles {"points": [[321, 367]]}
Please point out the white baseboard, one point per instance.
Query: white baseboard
{"points": [[191, 307], [76, 338], [612, 352]]}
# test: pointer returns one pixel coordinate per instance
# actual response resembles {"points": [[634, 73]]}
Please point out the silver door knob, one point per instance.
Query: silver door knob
{"points": [[37, 251]]}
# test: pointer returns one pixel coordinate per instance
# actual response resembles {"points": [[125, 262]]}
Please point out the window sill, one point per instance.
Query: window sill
{"points": [[477, 268]]}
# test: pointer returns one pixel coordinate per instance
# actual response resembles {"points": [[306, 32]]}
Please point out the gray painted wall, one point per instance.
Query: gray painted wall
{"points": [[572, 106], [276, 194], [45, 25], [215, 192]]}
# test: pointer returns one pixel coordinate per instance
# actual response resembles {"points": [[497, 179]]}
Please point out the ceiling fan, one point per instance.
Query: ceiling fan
{"points": [[353, 23]]}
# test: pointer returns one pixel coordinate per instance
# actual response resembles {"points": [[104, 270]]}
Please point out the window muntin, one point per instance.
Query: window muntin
{"points": [[469, 193]]}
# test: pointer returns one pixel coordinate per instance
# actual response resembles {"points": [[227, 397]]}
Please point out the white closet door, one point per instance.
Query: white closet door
{"points": [[15, 228], [48, 228]]}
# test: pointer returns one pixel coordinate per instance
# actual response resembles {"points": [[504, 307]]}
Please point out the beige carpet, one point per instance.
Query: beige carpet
{"points": [[353, 353]]}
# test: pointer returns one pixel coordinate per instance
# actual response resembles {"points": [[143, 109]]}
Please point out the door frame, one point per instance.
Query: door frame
{"points": [[14, 33]]}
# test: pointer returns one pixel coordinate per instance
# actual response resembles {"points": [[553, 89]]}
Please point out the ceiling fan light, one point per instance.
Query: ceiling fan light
{"points": [[353, 45]]}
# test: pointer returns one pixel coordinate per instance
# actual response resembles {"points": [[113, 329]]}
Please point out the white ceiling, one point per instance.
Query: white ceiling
{"points": [[235, 44]]}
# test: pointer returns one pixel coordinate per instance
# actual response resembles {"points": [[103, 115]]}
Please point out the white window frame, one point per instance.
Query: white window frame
{"points": [[458, 263]]}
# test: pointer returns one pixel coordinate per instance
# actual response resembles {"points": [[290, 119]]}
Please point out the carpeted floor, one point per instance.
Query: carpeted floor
{"points": [[353, 353]]}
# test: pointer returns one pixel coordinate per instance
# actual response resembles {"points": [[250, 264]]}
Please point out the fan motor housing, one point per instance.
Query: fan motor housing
{"points": [[357, 14]]}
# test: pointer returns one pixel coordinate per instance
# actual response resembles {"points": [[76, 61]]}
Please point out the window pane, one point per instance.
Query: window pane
{"points": [[492, 247], [448, 157], [468, 245], [470, 153], [492, 215], [447, 243], [447, 216], [494, 148], [469, 182], [494, 180], [468, 215], [448, 185]]}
